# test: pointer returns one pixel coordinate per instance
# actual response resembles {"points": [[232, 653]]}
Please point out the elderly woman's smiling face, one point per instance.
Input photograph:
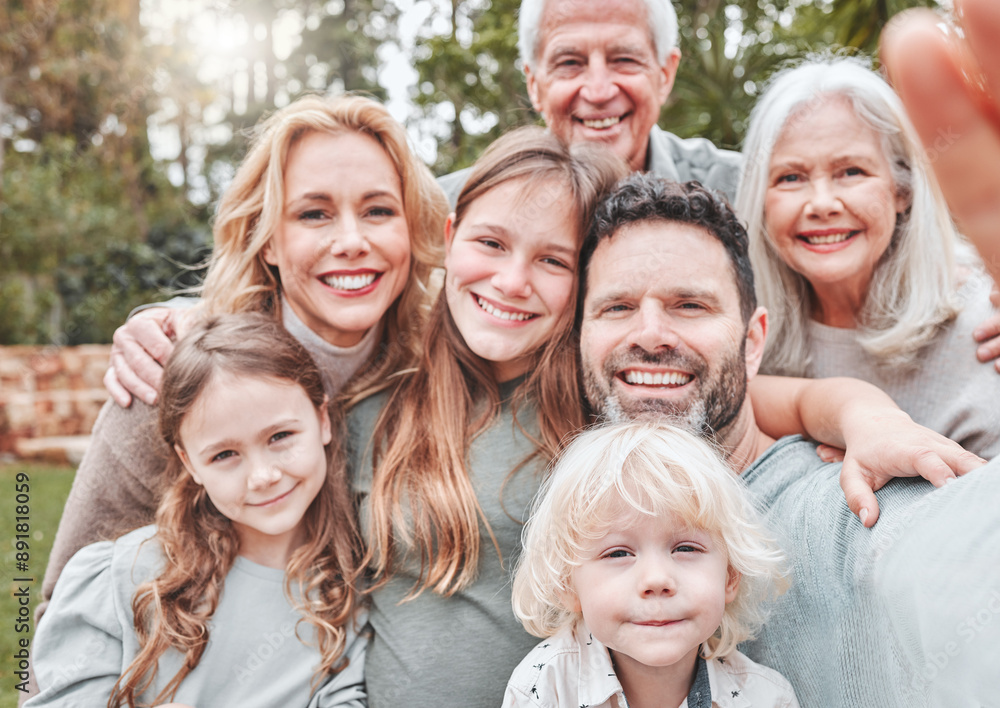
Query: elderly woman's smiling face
{"points": [[831, 204]]}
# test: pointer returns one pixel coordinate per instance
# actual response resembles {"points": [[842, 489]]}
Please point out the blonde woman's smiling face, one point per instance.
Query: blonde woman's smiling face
{"points": [[342, 248], [511, 272]]}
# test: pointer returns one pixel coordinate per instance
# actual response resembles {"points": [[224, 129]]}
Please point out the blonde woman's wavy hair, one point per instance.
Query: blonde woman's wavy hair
{"points": [[912, 290], [200, 544], [652, 469], [238, 278]]}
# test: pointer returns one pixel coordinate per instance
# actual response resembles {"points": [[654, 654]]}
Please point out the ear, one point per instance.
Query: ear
{"points": [[569, 600], [669, 72], [449, 233], [732, 584], [270, 257], [903, 202], [187, 463], [325, 427], [532, 83], [756, 337]]}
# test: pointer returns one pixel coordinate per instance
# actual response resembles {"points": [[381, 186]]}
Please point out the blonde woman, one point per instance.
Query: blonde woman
{"points": [[331, 226]]}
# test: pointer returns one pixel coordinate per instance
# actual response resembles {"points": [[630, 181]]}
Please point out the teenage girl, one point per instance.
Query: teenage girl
{"points": [[242, 593], [643, 567]]}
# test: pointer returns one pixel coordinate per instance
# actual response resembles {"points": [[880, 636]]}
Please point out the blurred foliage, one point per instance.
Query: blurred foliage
{"points": [[471, 76], [90, 224]]}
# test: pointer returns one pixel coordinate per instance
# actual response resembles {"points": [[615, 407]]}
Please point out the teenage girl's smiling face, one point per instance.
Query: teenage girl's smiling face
{"points": [[342, 247], [652, 589], [256, 446], [511, 271]]}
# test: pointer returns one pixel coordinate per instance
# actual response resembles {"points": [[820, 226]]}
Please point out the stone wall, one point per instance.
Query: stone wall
{"points": [[48, 392]]}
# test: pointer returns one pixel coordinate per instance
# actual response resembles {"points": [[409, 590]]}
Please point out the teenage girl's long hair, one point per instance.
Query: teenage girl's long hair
{"points": [[430, 418], [200, 544]]}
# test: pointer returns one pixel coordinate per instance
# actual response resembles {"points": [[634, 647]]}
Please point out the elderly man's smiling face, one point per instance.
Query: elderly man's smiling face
{"points": [[596, 75], [662, 331]]}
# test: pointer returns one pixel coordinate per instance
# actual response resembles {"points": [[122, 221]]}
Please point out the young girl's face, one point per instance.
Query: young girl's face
{"points": [[652, 590], [256, 446], [511, 271]]}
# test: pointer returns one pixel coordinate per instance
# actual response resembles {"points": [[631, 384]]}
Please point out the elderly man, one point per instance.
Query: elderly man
{"points": [[600, 70], [906, 613]]}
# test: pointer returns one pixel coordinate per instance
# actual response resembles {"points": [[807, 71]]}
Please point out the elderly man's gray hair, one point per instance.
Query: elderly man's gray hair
{"points": [[662, 25]]}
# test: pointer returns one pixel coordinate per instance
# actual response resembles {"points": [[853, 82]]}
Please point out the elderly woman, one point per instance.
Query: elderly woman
{"points": [[857, 259]]}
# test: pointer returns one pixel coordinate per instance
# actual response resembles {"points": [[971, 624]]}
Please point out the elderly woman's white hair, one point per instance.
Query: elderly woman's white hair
{"points": [[662, 26], [646, 468], [912, 290]]}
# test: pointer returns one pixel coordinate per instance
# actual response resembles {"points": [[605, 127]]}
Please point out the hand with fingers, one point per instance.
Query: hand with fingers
{"points": [[988, 334], [140, 349], [949, 81], [901, 449]]}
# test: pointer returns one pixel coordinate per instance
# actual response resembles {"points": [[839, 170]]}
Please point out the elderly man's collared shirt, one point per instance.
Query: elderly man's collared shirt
{"points": [[572, 669], [679, 159]]}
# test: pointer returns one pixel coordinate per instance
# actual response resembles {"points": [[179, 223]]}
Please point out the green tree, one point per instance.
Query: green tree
{"points": [[77, 175], [470, 82]]}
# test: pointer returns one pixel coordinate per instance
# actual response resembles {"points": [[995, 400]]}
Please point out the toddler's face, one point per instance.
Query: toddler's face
{"points": [[652, 590]]}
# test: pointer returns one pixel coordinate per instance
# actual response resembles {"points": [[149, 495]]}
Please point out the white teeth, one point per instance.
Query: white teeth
{"points": [[831, 238], [501, 314], [350, 282], [603, 122], [645, 378]]}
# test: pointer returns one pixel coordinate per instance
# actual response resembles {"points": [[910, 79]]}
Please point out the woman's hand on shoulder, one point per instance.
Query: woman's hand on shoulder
{"points": [[988, 334], [140, 349], [901, 448]]}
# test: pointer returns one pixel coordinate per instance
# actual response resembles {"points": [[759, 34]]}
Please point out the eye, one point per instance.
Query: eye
{"points": [[280, 436], [312, 215], [787, 178], [686, 548], [854, 172], [617, 553], [617, 307], [626, 62], [381, 211], [491, 243], [567, 62], [220, 456], [556, 262]]}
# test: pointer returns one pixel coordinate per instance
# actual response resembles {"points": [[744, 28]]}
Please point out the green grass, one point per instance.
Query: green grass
{"points": [[49, 485]]}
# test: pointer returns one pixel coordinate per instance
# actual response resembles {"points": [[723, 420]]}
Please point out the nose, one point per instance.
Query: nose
{"points": [[349, 239], [513, 279], [823, 199], [263, 474], [653, 329], [598, 81], [656, 577]]}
